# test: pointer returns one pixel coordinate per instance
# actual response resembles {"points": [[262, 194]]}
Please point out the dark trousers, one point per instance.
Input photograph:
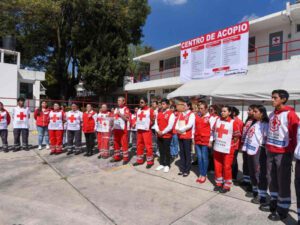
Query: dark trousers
{"points": [[21, 132], [258, 173], [235, 165], [279, 169], [246, 177], [211, 165], [185, 146], [3, 135], [297, 186], [164, 150], [74, 135], [89, 141]]}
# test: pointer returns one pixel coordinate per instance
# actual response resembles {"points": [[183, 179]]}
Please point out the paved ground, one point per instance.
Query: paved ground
{"points": [[39, 189]]}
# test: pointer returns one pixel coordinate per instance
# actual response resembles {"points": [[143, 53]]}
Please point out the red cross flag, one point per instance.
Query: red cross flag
{"points": [[276, 40]]}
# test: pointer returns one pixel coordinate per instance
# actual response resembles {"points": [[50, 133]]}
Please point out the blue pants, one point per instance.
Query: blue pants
{"points": [[174, 145], [202, 154], [43, 133]]}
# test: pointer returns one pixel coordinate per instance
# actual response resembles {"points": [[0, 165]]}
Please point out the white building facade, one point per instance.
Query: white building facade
{"points": [[272, 38], [16, 82]]}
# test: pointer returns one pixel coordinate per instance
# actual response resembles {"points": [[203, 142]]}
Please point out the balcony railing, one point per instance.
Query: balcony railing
{"points": [[257, 55]]}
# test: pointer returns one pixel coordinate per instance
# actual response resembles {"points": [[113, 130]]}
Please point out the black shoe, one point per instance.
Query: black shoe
{"points": [[195, 163], [276, 216], [180, 174], [255, 200], [249, 188], [185, 174], [114, 160], [86, 154], [217, 189], [249, 194], [224, 190], [149, 166], [5, 150], [25, 148], [244, 183], [77, 152], [99, 157], [69, 152], [265, 207], [16, 149], [136, 164], [125, 162]]}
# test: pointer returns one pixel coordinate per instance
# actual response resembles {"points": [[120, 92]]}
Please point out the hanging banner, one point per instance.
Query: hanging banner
{"points": [[217, 54]]}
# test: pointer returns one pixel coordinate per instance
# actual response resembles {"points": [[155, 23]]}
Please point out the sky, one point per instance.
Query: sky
{"points": [[174, 21]]}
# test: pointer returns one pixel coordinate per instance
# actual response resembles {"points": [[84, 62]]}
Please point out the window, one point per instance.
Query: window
{"points": [[298, 28], [251, 44], [26, 90], [169, 63], [167, 91]]}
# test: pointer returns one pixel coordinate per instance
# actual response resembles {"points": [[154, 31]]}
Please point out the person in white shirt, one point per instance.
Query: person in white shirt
{"points": [[74, 123], [21, 115]]}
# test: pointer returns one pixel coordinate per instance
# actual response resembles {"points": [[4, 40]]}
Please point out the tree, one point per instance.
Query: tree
{"points": [[74, 39]]}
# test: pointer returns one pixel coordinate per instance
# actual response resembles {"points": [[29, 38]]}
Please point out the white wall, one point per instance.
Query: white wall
{"points": [[9, 83]]}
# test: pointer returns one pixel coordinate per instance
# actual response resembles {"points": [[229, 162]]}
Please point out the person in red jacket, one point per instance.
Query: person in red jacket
{"points": [[41, 115], [164, 126], [225, 135], [145, 119], [235, 165], [4, 122], [89, 128], [280, 145], [56, 129], [202, 137], [185, 127]]}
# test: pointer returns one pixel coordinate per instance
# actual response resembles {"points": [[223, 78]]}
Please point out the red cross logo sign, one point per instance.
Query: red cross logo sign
{"points": [[72, 118], [221, 131], [274, 124], [185, 54], [141, 115], [21, 116], [276, 40], [54, 118]]}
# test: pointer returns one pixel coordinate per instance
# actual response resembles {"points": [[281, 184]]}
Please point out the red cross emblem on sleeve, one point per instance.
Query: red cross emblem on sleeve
{"points": [[21, 116], [221, 131], [72, 118], [141, 115], [54, 118], [185, 54]]}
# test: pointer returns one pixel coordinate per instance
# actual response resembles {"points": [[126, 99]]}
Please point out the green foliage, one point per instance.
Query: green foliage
{"points": [[75, 39]]}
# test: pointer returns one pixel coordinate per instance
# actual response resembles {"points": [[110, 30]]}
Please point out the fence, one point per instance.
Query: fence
{"points": [[256, 55]]}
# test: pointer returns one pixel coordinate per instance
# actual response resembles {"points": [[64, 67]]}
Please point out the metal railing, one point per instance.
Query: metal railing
{"points": [[256, 55]]}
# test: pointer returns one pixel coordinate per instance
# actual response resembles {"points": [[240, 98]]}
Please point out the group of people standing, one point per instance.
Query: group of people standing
{"points": [[268, 143]]}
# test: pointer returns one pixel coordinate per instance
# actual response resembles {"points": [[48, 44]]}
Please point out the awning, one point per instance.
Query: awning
{"points": [[256, 85]]}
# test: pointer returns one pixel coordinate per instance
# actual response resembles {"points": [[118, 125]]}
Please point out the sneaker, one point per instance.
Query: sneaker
{"points": [[160, 167], [40, 147], [47, 147], [149, 166], [166, 169], [180, 173], [224, 190], [217, 188]]}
